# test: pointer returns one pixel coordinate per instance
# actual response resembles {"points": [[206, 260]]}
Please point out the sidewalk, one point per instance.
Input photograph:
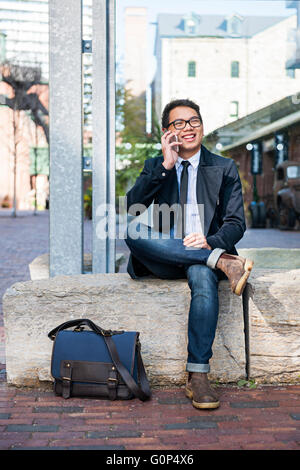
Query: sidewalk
{"points": [[266, 417]]}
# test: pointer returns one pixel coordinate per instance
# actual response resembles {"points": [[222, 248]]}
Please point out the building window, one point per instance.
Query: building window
{"points": [[280, 174], [235, 69], [190, 27], [290, 73], [234, 26], [190, 24], [234, 109], [192, 69]]}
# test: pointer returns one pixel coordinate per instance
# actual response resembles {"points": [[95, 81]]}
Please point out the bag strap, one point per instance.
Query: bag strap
{"points": [[79, 322], [142, 392]]}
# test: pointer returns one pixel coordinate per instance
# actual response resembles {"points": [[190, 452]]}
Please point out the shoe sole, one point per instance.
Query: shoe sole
{"points": [[242, 282], [214, 404]]}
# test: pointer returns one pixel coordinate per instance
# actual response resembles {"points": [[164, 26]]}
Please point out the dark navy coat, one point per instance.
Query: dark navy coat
{"points": [[218, 189]]}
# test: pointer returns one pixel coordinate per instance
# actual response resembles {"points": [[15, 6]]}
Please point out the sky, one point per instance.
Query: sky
{"points": [[247, 7], [226, 7]]}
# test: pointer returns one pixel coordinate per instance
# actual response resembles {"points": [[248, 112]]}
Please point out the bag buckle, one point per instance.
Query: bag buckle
{"points": [[107, 333], [112, 384], [78, 329]]}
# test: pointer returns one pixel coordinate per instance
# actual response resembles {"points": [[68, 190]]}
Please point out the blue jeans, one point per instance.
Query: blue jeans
{"points": [[168, 258]]}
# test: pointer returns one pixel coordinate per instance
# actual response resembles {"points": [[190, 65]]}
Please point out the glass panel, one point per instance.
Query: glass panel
{"points": [[24, 98], [293, 172], [234, 109], [235, 69], [87, 64], [226, 65], [192, 69], [280, 174]]}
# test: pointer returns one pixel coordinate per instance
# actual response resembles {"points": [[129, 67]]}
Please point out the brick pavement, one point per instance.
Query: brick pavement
{"points": [[263, 418]]}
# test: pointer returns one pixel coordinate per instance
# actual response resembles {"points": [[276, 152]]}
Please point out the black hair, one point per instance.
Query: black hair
{"points": [[174, 104]]}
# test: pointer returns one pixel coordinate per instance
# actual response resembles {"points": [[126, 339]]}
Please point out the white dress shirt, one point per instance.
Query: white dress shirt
{"points": [[193, 221]]}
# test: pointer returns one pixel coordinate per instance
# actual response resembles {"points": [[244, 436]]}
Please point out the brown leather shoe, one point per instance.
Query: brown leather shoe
{"points": [[237, 269], [199, 390]]}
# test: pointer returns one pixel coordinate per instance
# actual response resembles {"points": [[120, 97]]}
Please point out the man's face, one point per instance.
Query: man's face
{"points": [[191, 137]]}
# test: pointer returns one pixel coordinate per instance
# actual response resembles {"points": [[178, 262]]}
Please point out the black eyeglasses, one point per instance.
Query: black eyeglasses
{"points": [[180, 124]]}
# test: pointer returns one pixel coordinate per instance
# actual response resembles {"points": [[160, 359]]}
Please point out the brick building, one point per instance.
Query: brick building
{"points": [[231, 65], [23, 152], [273, 132]]}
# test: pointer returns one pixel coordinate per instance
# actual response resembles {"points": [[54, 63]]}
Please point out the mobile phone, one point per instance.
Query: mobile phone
{"points": [[175, 139]]}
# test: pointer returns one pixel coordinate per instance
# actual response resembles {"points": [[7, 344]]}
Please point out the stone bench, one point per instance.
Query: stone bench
{"points": [[158, 309]]}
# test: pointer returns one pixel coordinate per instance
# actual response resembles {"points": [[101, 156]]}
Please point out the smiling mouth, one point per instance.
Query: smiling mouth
{"points": [[189, 137]]}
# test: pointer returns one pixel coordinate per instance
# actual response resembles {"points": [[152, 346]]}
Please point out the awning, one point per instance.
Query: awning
{"points": [[266, 130]]}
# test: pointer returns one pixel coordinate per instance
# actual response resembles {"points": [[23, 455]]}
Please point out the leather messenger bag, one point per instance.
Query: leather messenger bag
{"points": [[97, 362]]}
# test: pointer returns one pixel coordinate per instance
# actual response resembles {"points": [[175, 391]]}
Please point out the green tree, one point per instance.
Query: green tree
{"points": [[134, 144], [137, 145]]}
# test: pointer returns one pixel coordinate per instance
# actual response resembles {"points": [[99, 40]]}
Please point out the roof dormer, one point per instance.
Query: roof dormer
{"points": [[234, 25], [191, 24]]}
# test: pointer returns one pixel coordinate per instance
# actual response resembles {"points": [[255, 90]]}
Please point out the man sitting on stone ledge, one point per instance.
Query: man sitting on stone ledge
{"points": [[196, 241]]}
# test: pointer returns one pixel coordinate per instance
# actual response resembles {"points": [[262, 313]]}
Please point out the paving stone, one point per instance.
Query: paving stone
{"points": [[213, 418], [109, 434], [173, 400], [37, 447], [271, 446], [58, 409], [192, 425], [91, 447], [30, 428], [255, 404]]}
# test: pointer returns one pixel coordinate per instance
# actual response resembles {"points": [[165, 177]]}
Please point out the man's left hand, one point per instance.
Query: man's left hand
{"points": [[196, 240]]}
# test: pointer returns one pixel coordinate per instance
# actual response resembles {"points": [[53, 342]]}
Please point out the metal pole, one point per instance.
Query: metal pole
{"points": [[66, 199], [15, 127], [35, 167], [246, 296], [103, 116]]}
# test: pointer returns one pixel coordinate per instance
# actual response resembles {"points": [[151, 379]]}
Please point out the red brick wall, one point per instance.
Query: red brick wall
{"points": [[265, 181], [294, 143]]}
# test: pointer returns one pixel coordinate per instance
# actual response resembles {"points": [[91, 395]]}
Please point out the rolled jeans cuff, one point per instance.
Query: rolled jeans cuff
{"points": [[191, 367], [214, 257]]}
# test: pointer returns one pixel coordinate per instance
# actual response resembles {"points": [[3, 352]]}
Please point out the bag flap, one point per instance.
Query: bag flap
{"points": [[90, 347]]}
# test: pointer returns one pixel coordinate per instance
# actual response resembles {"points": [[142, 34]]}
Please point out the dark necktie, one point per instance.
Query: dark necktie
{"points": [[183, 192]]}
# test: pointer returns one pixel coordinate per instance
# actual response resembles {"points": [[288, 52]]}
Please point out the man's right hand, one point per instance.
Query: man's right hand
{"points": [[170, 155]]}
